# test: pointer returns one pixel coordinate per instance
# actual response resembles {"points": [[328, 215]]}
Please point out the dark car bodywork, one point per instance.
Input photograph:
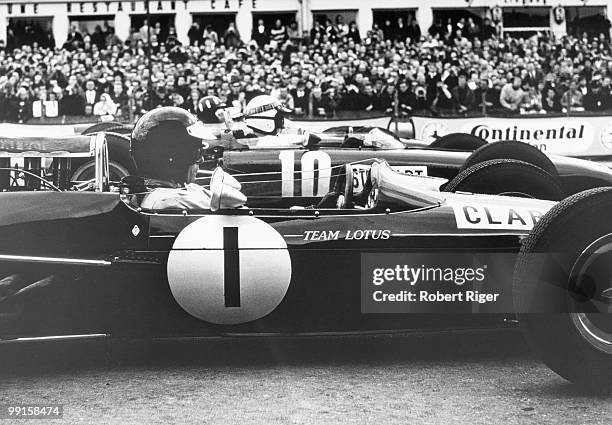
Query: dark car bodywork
{"points": [[88, 263], [287, 167]]}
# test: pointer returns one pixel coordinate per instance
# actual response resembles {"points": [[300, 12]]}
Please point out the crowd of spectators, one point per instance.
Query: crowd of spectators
{"points": [[454, 68]]}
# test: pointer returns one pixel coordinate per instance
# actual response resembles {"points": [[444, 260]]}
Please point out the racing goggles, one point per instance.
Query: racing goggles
{"points": [[267, 107], [199, 131]]}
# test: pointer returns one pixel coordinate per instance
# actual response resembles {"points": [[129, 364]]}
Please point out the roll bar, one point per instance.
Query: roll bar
{"points": [[99, 150]]}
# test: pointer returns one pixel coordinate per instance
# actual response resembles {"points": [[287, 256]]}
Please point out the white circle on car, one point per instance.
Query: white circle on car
{"points": [[229, 269]]}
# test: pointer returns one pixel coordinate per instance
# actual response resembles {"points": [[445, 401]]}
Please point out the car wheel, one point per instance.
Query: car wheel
{"points": [[113, 126], [87, 172], [459, 142], [511, 149], [562, 290], [507, 177]]}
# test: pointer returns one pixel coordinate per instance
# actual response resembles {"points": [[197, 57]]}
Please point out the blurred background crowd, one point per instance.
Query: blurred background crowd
{"points": [[454, 68]]}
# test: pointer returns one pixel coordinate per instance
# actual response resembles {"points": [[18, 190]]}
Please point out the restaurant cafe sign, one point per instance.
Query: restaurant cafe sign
{"points": [[110, 7]]}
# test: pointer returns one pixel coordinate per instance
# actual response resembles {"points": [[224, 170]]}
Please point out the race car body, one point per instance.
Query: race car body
{"points": [[308, 171], [90, 263]]}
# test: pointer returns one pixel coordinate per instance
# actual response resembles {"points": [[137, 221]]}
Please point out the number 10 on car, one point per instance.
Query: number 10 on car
{"points": [[315, 173]]}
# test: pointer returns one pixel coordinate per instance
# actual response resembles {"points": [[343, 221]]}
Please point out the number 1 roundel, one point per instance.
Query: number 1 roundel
{"points": [[229, 269]]}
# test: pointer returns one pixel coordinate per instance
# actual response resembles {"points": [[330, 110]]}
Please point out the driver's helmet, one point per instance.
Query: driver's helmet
{"points": [[166, 141], [210, 110], [265, 114]]}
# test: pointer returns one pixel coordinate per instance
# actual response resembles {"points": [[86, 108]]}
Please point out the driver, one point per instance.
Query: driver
{"points": [[265, 115], [166, 144]]}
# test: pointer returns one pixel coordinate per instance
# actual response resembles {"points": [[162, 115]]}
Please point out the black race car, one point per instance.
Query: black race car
{"points": [[400, 255]]}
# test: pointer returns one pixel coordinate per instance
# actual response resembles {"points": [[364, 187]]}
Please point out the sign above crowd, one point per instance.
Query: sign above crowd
{"points": [[109, 7]]}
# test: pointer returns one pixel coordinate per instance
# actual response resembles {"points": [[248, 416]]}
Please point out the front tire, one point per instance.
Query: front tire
{"points": [[511, 149], [507, 177], [561, 288], [459, 142]]}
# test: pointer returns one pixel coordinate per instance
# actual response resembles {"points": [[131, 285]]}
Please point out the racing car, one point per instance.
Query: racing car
{"points": [[93, 261], [292, 165]]}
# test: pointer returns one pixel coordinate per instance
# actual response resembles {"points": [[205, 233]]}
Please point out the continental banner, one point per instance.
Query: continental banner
{"points": [[560, 135]]}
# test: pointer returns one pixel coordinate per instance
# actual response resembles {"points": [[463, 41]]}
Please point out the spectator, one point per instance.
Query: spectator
{"points": [[511, 95], [551, 102], [387, 98], [571, 100], [260, 34], [177, 100], [194, 34], [353, 33], [421, 104], [594, 100], [485, 98], [330, 31], [436, 30], [300, 99], [488, 30], [340, 27], [321, 105], [111, 38], [90, 97], [472, 30], [463, 96], [210, 37], [401, 31], [74, 39], [192, 102], [278, 33], [72, 102], [98, 38], [532, 101], [606, 93], [405, 98], [443, 102], [105, 106], [317, 31], [160, 34], [293, 33], [387, 30], [120, 98], [286, 99], [413, 31], [231, 36], [369, 101], [143, 32]]}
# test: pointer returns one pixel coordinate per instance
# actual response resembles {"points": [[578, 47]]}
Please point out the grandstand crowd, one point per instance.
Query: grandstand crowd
{"points": [[454, 68]]}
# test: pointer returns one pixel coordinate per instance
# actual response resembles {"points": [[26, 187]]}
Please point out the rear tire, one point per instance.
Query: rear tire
{"points": [[87, 172], [550, 295], [511, 149], [459, 142], [113, 126], [507, 177]]}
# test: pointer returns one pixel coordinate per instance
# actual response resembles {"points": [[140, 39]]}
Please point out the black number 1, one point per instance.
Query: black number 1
{"points": [[231, 267]]}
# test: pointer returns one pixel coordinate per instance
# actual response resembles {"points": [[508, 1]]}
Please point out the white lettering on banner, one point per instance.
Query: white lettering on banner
{"points": [[552, 136], [577, 135], [497, 217]]}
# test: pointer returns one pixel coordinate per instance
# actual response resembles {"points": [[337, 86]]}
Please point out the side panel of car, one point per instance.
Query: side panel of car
{"points": [[316, 269]]}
